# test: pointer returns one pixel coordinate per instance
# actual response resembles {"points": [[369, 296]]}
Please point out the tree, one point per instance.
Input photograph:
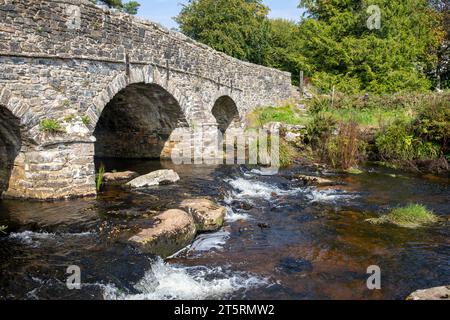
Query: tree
{"points": [[285, 48], [130, 7], [344, 52], [442, 73], [239, 28]]}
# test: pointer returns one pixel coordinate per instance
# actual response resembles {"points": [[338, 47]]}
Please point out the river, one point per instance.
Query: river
{"points": [[281, 240]]}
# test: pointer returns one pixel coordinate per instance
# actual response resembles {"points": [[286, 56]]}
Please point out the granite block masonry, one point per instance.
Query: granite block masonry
{"points": [[115, 85]]}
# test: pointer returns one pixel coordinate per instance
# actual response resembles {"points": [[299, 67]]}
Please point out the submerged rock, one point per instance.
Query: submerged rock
{"points": [[316, 181], [119, 177], [174, 231], [438, 293], [207, 215], [154, 179]]}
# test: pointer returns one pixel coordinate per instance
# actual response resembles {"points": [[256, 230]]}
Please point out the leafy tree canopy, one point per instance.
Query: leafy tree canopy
{"points": [[239, 28], [130, 7], [344, 52]]}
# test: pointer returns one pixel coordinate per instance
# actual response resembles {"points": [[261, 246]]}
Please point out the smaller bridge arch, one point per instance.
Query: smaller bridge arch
{"points": [[226, 113]]}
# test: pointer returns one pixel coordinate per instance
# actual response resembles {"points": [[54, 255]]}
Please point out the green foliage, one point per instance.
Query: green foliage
{"points": [[433, 122], [86, 120], [345, 53], [239, 28], [320, 129], [285, 49], [287, 154], [2, 229], [100, 174], [346, 149], [69, 118], [285, 114], [411, 216], [398, 143], [130, 7], [51, 126]]}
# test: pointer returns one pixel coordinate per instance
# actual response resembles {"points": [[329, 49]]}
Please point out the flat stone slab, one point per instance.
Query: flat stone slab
{"points": [[175, 229], [208, 216], [154, 179], [119, 177], [438, 293]]}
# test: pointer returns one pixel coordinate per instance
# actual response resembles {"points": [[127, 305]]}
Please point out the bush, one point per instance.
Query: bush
{"points": [[411, 216], [347, 149], [51, 126], [433, 123], [397, 142], [320, 129]]}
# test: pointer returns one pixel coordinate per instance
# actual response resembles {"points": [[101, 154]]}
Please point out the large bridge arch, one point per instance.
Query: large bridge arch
{"points": [[145, 114], [10, 146]]}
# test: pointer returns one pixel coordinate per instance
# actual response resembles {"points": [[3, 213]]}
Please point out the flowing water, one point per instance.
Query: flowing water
{"points": [[281, 240]]}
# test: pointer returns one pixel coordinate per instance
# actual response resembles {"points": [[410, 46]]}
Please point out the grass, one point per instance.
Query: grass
{"points": [[51, 126], [411, 216], [376, 117], [100, 174], [285, 114], [86, 120]]}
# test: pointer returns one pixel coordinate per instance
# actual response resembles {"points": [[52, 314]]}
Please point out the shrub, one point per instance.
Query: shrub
{"points": [[320, 129], [319, 104], [433, 123], [397, 142], [411, 216], [287, 154], [51, 126], [347, 149]]}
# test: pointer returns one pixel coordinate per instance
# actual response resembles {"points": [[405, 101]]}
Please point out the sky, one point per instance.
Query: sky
{"points": [[163, 11]]}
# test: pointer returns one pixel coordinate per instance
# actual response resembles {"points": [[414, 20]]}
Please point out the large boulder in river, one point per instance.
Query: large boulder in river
{"points": [[154, 178], [119, 177], [438, 293], [208, 216], [174, 230]]}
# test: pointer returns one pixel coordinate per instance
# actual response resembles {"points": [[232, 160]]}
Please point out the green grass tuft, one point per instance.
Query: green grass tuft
{"points": [[411, 216], [100, 174], [284, 114], [51, 126]]}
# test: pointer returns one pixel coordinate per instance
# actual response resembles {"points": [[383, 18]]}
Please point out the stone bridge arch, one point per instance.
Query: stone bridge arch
{"points": [[226, 113], [10, 146], [145, 114]]}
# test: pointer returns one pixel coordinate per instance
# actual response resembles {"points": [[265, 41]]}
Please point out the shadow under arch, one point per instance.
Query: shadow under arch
{"points": [[137, 123], [226, 113], [10, 145]]}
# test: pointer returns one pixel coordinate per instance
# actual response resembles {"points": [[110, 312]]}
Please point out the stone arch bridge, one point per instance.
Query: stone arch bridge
{"points": [[111, 85]]}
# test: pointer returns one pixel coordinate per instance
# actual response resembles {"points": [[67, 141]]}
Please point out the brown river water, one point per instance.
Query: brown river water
{"points": [[281, 240]]}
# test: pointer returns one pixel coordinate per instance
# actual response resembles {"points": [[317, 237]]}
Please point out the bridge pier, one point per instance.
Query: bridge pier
{"points": [[58, 172]]}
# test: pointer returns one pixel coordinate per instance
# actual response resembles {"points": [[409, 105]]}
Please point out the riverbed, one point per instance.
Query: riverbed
{"points": [[281, 239]]}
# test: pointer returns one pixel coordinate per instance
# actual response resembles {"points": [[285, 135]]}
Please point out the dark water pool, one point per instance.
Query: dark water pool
{"points": [[281, 240]]}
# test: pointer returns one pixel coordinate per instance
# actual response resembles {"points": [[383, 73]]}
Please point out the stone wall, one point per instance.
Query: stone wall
{"points": [[68, 59]]}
